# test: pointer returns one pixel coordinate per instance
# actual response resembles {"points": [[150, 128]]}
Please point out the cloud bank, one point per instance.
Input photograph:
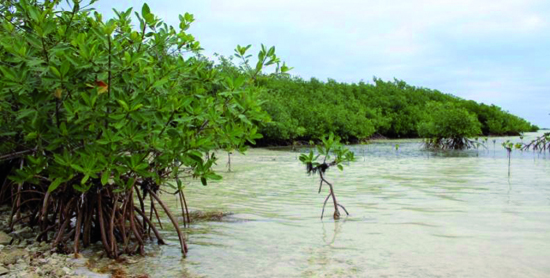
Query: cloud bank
{"points": [[495, 52]]}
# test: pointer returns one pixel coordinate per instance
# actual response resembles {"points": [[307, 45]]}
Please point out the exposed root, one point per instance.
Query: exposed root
{"points": [[540, 144], [336, 214], [69, 219], [451, 144], [324, 205]]}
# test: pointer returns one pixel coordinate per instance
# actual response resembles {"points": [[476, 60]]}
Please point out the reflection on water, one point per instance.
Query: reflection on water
{"points": [[414, 213], [335, 231]]}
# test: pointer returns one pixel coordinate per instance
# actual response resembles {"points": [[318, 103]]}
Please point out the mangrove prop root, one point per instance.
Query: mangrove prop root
{"points": [[174, 222], [156, 212], [347, 213], [336, 214], [182, 209], [112, 229], [69, 219], [78, 229], [135, 230], [141, 203], [324, 205], [186, 208], [459, 143], [151, 226], [99, 209]]}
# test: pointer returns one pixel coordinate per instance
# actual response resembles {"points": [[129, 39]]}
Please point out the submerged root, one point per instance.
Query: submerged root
{"points": [[197, 216]]}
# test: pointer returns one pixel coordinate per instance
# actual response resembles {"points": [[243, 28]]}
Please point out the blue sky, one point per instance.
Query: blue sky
{"points": [[491, 51]]}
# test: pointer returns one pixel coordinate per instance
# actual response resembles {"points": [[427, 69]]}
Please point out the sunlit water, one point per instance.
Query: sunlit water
{"points": [[413, 213]]}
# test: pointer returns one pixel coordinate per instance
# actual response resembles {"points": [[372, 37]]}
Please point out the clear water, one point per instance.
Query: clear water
{"points": [[414, 213]]}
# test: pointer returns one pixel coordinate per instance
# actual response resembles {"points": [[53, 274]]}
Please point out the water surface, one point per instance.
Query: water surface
{"points": [[414, 213]]}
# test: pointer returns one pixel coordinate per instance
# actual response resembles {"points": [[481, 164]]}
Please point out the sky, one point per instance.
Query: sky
{"points": [[491, 51]]}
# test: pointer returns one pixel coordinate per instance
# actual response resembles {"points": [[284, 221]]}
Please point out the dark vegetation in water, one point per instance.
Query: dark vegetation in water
{"points": [[453, 143], [198, 216], [302, 110], [96, 117], [540, 144], [336, 154], [447, 126]]}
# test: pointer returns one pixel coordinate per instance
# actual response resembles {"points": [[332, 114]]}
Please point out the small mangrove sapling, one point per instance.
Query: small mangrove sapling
{"points": [[508, 146], [331, 150]]}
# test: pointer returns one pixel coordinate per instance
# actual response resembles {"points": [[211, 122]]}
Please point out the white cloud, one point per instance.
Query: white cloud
{"points": [[487, 50]]}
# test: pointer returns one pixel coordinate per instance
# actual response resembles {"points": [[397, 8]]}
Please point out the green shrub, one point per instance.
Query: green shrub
{"points": [[94, 113], [448, 126]]}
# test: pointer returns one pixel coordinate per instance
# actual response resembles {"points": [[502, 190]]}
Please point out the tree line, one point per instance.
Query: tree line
{"points": [[307, 109]]}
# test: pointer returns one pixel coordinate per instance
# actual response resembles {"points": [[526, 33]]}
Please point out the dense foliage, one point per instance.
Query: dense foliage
{"points": [[95, 114], [304, 110], [448, 126]]}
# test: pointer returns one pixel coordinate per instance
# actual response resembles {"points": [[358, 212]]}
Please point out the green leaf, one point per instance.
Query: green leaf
{"points": [[85, 179], [127, 57], [145, 10], [271, 51], [54, 185], [55, 71], [123, 104], [105, 177], [31, 136], [65, 67], [320, 150], [213, 176], [129, 183], [160, 83]]}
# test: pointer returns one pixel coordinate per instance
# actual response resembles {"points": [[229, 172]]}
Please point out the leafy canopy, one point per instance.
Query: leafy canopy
{"points": [[448, 121], [332, 150], [87, 102]]}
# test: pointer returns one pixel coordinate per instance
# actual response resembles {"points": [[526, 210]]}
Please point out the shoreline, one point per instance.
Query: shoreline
{"points": [[21, 256], [381, 138]]}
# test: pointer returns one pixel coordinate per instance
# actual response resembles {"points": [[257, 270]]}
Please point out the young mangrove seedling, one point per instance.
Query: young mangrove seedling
{"points": [[332, 150], [508, 146]]}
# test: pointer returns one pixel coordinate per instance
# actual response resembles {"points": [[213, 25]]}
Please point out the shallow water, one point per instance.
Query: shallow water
{"points": [[413, 213]]}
